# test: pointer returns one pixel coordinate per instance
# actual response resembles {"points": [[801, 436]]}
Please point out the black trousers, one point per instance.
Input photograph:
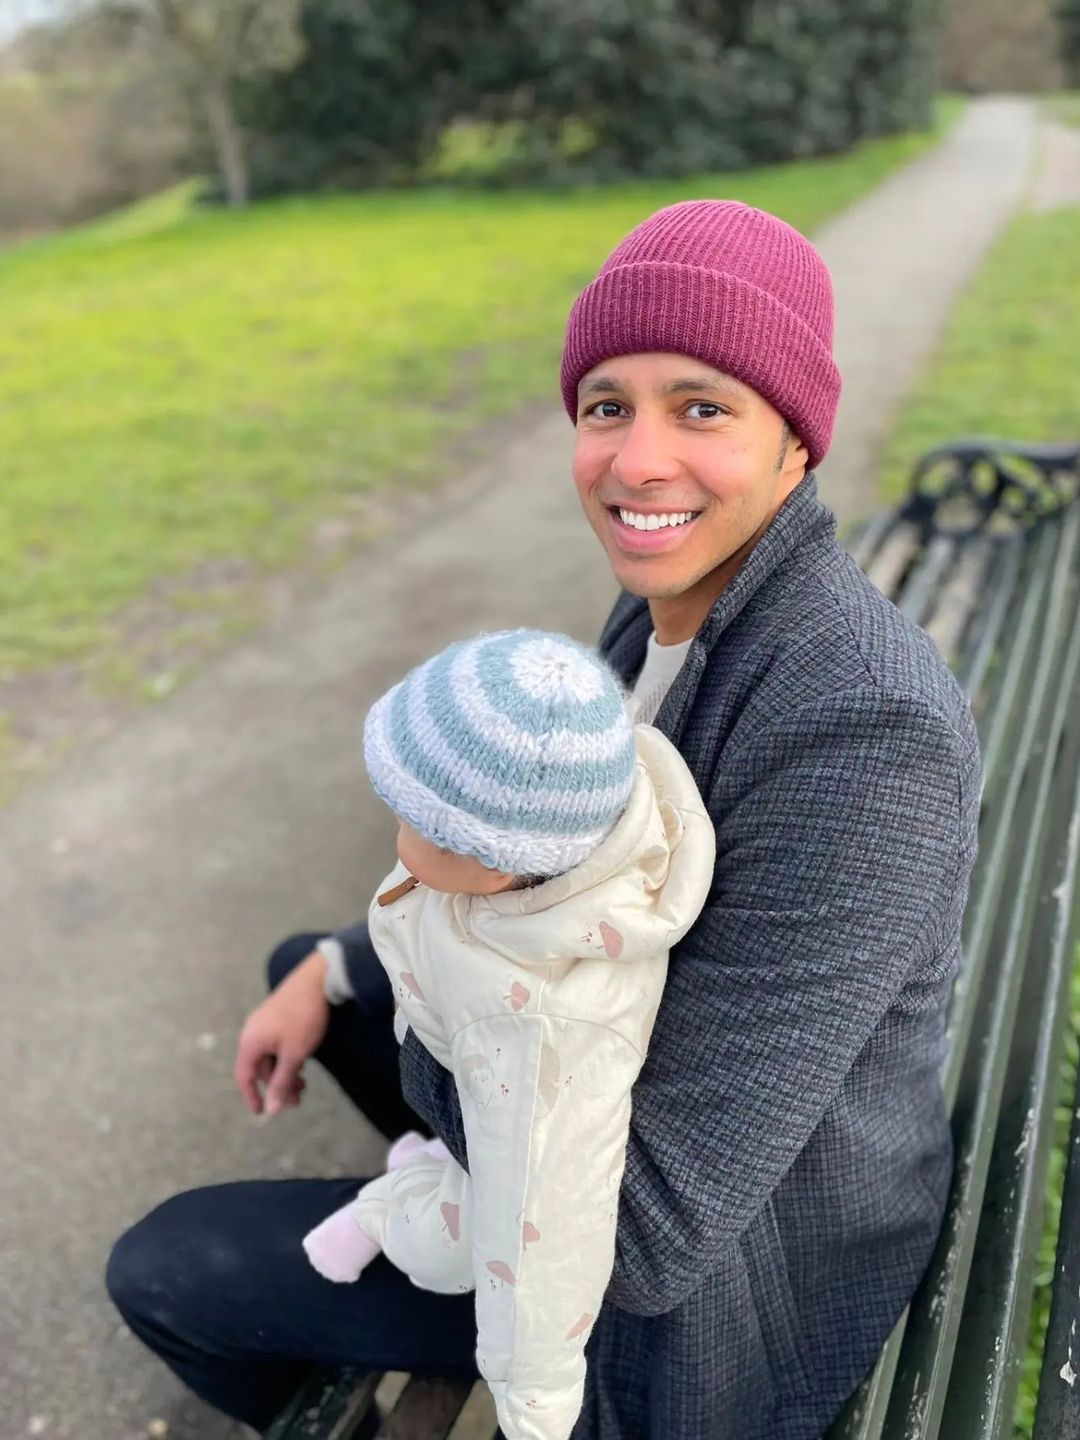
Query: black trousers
{"points": [[216, 1283]]}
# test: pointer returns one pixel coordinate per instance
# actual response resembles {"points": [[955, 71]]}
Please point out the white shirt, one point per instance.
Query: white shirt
{"points": [[662, 664]]}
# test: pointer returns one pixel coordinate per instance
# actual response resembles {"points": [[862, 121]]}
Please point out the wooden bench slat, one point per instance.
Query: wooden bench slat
{"points": [[477, 1420], [426, 1410]]}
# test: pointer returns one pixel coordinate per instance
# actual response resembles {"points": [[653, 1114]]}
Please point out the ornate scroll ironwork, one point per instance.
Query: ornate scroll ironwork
{"points": [[986, 484]]}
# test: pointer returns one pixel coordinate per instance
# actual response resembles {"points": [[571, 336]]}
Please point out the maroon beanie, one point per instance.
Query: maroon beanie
{"points": [[730, 285]]}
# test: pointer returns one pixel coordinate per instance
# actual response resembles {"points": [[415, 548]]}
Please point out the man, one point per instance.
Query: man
{"points": [[789, 1155]]}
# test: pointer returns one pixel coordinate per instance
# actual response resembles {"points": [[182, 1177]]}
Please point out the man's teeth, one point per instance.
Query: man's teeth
{"points": [[654, 522]]}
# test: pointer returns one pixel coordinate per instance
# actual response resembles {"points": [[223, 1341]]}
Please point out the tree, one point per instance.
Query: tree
{"points": [[379, 82], [212, 46], [586, 89], [1001, 45], [88, 121], [1069, 21]]}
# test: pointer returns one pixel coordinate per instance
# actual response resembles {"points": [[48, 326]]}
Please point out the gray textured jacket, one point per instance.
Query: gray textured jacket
{"points": [[789, 1152]]}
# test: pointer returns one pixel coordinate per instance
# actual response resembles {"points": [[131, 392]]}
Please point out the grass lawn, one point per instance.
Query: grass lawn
{"points": [[179, 386], [1064, 106], [1008, 362]]}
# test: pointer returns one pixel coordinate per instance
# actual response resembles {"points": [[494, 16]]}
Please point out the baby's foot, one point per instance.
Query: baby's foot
{"points": [[404, 1149], [338, 1248]]}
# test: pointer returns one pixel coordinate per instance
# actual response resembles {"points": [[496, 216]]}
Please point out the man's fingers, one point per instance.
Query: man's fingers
{"points": [[284, 1087], [253, 1066], [244, 1075]]}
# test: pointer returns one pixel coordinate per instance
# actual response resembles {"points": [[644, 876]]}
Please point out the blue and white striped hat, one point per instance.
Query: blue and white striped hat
{"points": [[513, 747]]}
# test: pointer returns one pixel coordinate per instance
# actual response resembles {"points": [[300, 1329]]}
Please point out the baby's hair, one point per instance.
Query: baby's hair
{"points": [[526, 882]]}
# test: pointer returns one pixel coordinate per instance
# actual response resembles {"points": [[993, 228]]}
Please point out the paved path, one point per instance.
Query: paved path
{"points": [[899, 258], [140, 885]]}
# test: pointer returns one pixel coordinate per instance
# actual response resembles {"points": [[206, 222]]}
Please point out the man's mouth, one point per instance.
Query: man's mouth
{"points": [[650, 520], [644, 530]]}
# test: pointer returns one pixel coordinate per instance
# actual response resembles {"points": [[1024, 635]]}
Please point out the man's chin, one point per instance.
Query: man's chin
{"points": [[654, 588]]}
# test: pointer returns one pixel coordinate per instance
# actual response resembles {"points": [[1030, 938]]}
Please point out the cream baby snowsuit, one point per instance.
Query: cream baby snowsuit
{"points": [[541, 1002]]}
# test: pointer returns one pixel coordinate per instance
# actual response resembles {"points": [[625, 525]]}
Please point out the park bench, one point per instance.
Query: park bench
{"points": [[985, 555]]}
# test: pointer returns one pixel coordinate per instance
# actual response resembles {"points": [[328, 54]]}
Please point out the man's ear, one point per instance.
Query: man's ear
{"points": [[797, 458]]}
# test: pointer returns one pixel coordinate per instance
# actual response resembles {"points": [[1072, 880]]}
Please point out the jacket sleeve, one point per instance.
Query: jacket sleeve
{"points": [[545, 1102], [844, 841], [364, 981]]}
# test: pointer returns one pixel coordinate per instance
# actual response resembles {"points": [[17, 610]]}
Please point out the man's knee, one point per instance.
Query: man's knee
{"points": [[164, 1272], [286, 956], [137, 1272]]}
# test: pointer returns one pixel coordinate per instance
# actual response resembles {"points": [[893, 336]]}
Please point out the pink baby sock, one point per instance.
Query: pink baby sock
{"points": [[338, 1248], [408, 1146]]}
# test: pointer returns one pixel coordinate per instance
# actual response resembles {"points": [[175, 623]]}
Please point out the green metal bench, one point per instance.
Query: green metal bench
{"points": [[985, 554], [1058, 1414]]}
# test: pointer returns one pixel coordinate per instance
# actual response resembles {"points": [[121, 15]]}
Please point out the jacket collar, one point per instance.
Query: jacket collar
{"points": [[802, 519]]}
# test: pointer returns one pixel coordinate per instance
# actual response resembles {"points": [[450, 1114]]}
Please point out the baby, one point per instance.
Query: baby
{"points": [[550, 855]]}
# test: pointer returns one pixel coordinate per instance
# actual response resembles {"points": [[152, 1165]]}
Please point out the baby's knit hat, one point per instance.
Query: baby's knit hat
{"points": [[514, 747], [731, 285]]}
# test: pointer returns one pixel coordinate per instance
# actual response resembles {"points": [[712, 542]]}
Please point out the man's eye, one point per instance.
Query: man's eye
{"points": [[710, 411], [605, 409]]}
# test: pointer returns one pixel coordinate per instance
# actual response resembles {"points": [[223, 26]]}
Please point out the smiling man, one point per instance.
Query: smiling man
{"points": [[789, 1154], [721, 466]]}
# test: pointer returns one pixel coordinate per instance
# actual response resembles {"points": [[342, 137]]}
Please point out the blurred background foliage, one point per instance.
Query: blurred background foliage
{"points": [[557, 91], [105, 101], [112, 99]]}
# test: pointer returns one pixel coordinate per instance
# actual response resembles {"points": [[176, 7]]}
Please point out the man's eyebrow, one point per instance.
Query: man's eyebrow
{"points": [[601, 384], [702, 382]]}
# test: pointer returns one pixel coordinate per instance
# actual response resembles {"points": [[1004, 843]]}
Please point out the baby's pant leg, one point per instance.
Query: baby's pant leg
{"points": [[421, 1215]]}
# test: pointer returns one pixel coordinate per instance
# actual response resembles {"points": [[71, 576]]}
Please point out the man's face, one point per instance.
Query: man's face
{"points": [[662, 434]]}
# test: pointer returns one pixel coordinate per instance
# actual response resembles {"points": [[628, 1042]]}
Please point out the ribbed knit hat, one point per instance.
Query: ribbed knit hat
{"points": [[514, 747], [728, 284]]}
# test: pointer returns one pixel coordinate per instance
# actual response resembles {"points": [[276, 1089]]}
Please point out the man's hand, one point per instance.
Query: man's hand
{"points": [[279, 1036]]}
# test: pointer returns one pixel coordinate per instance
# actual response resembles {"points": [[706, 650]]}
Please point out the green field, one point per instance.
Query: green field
{"points": [[1063, 107], [1007, 364], [179, 385]]}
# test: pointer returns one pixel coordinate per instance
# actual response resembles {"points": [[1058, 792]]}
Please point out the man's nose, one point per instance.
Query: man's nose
{"points": [[646, 453]]}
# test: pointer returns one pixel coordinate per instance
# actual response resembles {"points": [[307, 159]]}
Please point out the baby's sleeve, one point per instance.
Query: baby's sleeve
{"points": [[546, 1107]]}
